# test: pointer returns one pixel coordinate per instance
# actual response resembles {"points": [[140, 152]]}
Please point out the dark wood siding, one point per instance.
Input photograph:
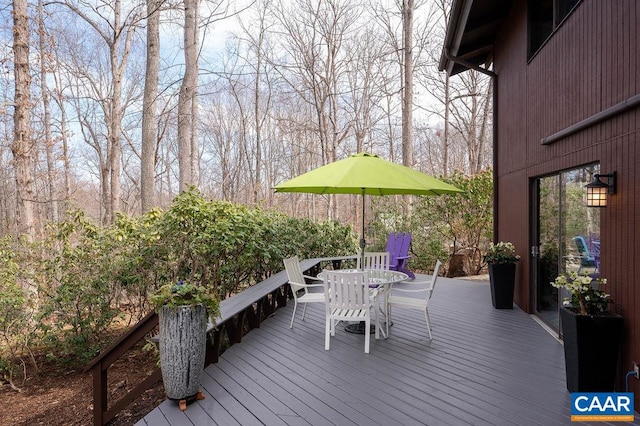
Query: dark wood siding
{"points": [[588, 65]]}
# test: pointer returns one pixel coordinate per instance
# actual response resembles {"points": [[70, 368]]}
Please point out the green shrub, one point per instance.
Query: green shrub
{"points": [[90, 278], [441, 225], [16, 310], [79, 291], [462, 221], [184, 293]]}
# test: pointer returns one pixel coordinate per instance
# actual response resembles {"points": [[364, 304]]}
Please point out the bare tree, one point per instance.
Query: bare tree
{"points": [[364, 92], [258, 48], [58, 97], [304, 83], [314, 34], [466, 120], [8, 225], [233, 137], [188, 99], [471, 107], [46, 124], [222, 146], [21, 147], [392, 85], [445, 134], [465, 109], [116, 28], [149, 108], [406, 42], [407, 89]]}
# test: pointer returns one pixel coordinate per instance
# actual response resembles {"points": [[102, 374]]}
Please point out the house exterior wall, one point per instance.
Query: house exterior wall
{"points": [[589, 64]]}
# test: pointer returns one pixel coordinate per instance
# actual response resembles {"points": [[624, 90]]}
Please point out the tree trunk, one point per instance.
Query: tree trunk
{"points": [[59, 99], [484, 127], [193, 65], [186, 99], [407, 98], [148, 155], [258, 119], [21, 146], [118, 37], [114, 120], [48, 143]]}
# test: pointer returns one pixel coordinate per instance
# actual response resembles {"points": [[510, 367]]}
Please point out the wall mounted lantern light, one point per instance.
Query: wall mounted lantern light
{"points": [[598, 190]]}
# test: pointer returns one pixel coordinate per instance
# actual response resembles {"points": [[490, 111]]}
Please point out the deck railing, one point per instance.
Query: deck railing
{"points": [[239, 314]]}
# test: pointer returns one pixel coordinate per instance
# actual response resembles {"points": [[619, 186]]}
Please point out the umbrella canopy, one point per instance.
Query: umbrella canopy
{"points": [[366, 173]]}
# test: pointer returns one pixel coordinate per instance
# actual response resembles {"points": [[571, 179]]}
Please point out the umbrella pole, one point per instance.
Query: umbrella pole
{"points": [[362, 240], [361, 327]]}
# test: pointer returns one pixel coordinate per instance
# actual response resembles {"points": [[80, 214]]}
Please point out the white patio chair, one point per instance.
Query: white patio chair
{"points": [[300, 288], [413, 297], [374, 260], [351, 300]]}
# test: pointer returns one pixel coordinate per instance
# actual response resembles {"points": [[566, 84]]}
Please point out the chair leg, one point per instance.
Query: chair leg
{"points": [[327, 333], [293, 316], [385, 311], [304, 311], [367, 334], [377, 333], [426, 315]]}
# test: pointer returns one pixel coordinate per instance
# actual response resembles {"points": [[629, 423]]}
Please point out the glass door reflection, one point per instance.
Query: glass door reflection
{"points": [[568, 236]]}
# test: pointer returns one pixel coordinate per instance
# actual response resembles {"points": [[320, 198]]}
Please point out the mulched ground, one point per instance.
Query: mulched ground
{"points": [[55, 398]]}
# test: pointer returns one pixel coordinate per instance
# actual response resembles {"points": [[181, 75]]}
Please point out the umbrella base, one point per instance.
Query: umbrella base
{"points": [[358, 328]]}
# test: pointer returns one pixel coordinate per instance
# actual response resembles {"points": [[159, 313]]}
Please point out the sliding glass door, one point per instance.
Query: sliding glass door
{"points": [[566, 236]]}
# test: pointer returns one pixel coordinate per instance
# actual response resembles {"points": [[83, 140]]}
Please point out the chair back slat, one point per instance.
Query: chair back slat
{"points": [[348, 290], [392, 240], [581, 245], [586, 258], [404, 244], [398, 245], [294, 272], [434, 278], [378, 260], [347, 298]]}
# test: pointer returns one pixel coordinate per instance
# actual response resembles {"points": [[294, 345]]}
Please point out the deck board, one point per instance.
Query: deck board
{"points": [[483, 367]]}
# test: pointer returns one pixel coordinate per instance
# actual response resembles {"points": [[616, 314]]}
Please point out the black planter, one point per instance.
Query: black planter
{"points": [[591, 350], [502, 277]]}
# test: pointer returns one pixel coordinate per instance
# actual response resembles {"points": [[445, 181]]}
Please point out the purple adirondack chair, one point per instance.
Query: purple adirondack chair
{"points": [[398, 244]]}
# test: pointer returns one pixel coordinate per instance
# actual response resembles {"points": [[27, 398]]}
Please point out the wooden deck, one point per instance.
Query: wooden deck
{"points": [[483, 367]]}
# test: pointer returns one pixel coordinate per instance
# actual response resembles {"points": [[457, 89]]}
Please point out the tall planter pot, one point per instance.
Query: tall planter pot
{"points": [[591, 350], [182, 346], [502, 277]]}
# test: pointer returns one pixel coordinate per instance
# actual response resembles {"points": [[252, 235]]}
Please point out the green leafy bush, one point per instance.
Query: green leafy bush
{"points": [[184, 293], [78, 289], [16, 313], [441, 226], [230, 247], [90, 280], [462, 222]]}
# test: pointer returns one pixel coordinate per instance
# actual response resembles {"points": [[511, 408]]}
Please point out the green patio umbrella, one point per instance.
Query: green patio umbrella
{"points": [[366, 174]]}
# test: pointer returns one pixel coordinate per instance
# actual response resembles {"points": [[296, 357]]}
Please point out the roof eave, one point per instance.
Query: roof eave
{"points": [[455, 30]]}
